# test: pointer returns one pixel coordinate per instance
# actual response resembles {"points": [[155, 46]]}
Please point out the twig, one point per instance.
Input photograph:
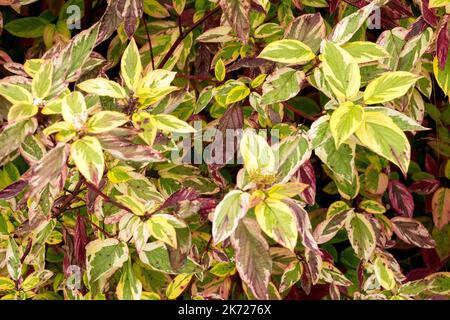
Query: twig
{"points": [[106, 198], [182, 36], [26, 252], [73, 195], [149, 43], [99, 228]]}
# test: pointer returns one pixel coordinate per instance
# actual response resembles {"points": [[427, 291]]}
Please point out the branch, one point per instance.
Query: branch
{"points": [[182, 36], [198, 78], [149, 43], [301, 113]]}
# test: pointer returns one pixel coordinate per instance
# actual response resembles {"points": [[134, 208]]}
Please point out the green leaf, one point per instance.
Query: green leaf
{"points": [[131, 67], [404, 122], [29, 27], [253, 260], [340, 71], [223, 269], [104, 258], [365, 51], [154, 9], [361, 235], [287, 51], [277, 220], [282, 85], [389, 86], [381, 135], [21, 111], [442, 76], [88, 157], [291, 276], [216, 35], [36, 279], [440, 205], [259, 159], [103, 87], [371, 206], [13, 263], [129, 286], [228, 213], [384, 274], [344, 121], [106, 121], [169, 123], [15, 93], [290, 154], [12, 136], [74, 110], [219, 70], [32, 149], [347, 27], [342, 160], [178, 5], [178, 285]]}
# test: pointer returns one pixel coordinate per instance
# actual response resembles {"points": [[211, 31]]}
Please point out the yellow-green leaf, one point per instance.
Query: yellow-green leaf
{"points": [[365, 51], [219, 70], [42, 81], [106, 121], [88, 157], [277, 220], [288, 51], [21, 111], [15, 93], [74, 110], [384, 274], [340, 71], [103, 87], [236, 94], [344, 121], [389, 86], [160, 228], [131, 66], [381, 135], [442, 76], [178, 285]]}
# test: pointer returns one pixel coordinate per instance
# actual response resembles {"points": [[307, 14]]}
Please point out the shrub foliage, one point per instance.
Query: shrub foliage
{"points": [[119, 178]]}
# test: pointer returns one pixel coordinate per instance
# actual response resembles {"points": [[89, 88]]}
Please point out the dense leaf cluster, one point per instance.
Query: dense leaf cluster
{"points": [[224, 149]]}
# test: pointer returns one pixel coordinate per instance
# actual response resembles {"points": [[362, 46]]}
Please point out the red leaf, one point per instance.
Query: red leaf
{"points": [[432, 260], [425, 186], [412, 232], [417, 274], [429, 14], [442, 43], [305, 174], [431, 165], [80, 242], [401, 199]]}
